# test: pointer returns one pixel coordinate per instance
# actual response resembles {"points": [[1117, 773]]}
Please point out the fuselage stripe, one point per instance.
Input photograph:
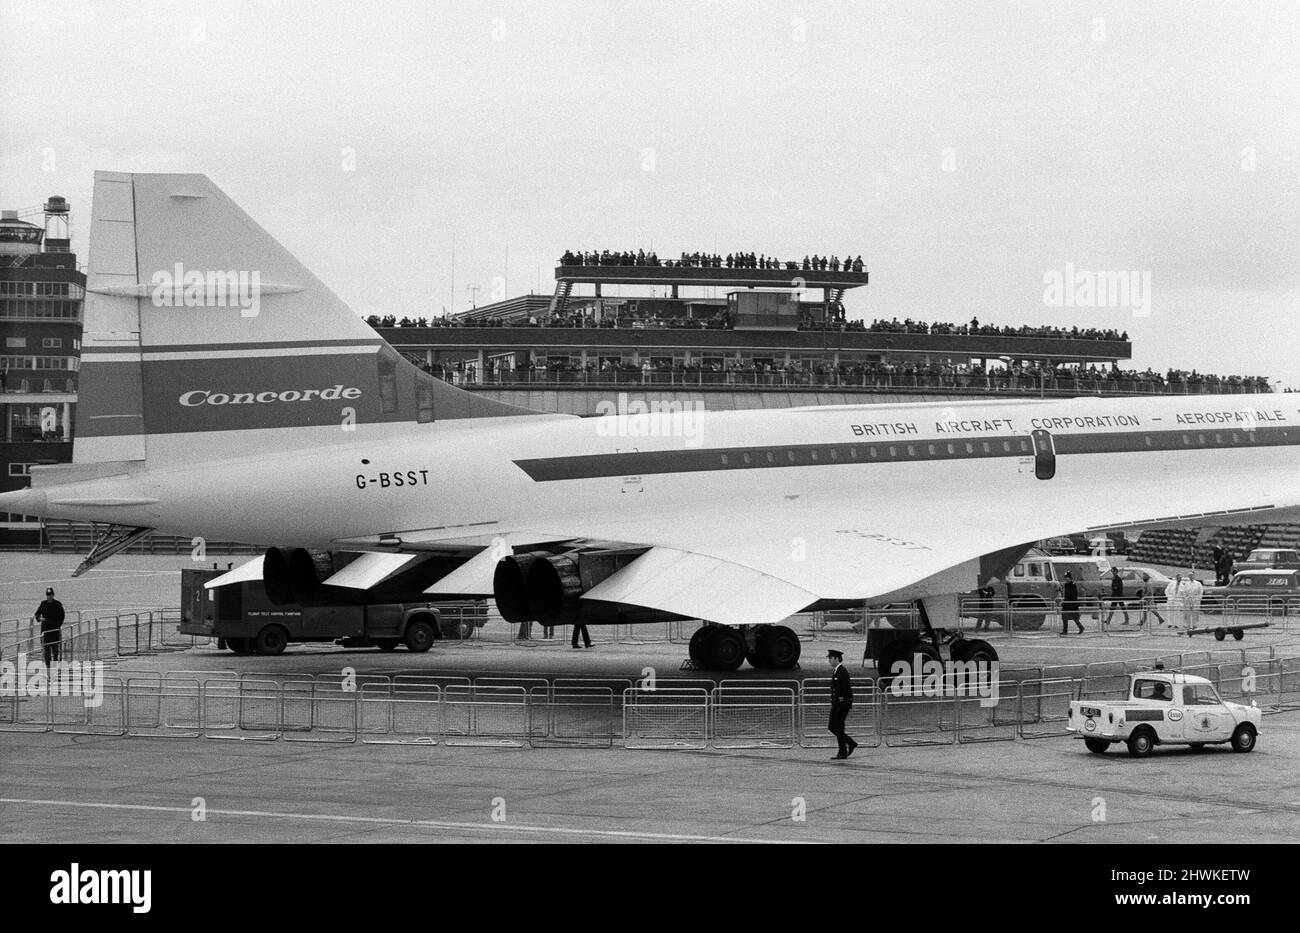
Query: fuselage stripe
{"points": [[593, 466]]}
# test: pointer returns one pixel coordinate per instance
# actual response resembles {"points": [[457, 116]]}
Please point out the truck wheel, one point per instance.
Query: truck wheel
{"points": [[419, 636], [1238, 634], [728, 649], [1220, 634], [778, 648], [1097, 746], [271, 640], [1025, 615], [1243, 740], [1141, 742], [387, 644]]}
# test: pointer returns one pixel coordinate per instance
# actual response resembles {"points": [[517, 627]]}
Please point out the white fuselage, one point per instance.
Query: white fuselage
{"points": [[464, 480]]}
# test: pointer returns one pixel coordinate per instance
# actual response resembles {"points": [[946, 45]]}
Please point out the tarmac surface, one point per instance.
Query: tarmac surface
{"points": [[56, 788], [88, 788]]}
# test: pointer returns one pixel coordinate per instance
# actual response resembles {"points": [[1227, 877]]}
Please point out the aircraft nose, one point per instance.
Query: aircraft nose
{"points": [[24, 502]]}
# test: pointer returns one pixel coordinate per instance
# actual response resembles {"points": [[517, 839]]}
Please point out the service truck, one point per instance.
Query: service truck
{"points": [[1164, 708], [246, 621]]}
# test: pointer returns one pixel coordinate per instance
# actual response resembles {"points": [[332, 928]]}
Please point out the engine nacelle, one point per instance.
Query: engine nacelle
{"points": [[553, 585], [509, 586], [547, 588]]}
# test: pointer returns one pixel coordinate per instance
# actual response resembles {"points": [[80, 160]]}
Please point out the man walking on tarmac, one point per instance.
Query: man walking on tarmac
{"points": [[841, 703], [1116, 597], [1069, 604], [50, 614]]}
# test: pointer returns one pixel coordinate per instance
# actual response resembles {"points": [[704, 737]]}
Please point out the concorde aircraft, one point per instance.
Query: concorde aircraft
{"points": [[226, 392]]}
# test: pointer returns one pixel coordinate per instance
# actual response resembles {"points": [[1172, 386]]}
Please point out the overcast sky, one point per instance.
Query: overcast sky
{"points": [[965, 150]]}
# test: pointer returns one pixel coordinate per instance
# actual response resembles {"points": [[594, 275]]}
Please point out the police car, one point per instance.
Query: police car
{"points": [[1164, 708]]}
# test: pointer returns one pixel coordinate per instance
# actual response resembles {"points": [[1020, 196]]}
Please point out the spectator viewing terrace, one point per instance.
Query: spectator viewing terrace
{"points": [[763, 335]]}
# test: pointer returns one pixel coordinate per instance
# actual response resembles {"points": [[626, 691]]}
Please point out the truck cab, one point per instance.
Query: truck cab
{"points": [[1164, 708], [1030, 590]]}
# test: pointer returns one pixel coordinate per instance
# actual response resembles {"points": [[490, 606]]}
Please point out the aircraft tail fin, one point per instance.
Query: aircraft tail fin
{"points": [[203, 334]]}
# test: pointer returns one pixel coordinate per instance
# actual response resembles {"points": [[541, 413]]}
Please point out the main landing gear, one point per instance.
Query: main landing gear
{"points": [[725, 648]]}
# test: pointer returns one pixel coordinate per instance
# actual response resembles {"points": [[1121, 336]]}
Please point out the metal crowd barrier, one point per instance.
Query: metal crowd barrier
{"points": [[599, 712]]}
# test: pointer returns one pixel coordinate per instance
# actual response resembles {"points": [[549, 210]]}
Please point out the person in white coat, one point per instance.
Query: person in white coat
{"points": [[1193, 589], [1174, 602]]}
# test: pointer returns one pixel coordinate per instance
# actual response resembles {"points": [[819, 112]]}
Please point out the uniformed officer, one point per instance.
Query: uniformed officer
{"points": [[841, 703], [50, 614], [1070, 604]]}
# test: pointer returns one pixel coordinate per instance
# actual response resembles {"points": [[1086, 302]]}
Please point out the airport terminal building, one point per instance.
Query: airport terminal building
{"points": [[41, 297]]}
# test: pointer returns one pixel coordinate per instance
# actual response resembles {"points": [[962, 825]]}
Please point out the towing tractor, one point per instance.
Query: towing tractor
{"points": [[246, 621], [1164, 708], [902, 631]]}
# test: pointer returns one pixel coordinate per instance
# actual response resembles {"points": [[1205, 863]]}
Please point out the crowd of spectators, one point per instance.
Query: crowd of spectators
{"points": [[976, 329], [712, 261], [619, 316], [1026, 378]]}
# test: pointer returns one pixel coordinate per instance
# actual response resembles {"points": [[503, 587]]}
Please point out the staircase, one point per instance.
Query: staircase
{"points": [[78, 537], [561, 297]]}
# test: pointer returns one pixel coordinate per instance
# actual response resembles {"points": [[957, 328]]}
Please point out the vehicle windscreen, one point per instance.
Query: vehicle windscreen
{"points": [[1200, 695]]}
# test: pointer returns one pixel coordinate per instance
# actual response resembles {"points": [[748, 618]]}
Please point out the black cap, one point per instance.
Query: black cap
{"points": [[49, 591], [837, 655]]}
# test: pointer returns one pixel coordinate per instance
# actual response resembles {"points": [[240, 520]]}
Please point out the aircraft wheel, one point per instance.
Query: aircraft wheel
{"points": [[755, 660], [701, 640], [1141, 742], [1243, 740], [778, 648], [728, 649], [271, 640], [1097, 746]]}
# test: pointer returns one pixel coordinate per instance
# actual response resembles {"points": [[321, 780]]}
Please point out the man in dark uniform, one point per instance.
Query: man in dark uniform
{"points": [[1069, 604], [841, 703], [1117, 600], [50, 614]]}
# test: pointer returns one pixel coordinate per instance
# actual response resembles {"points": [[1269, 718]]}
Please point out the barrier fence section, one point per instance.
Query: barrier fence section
{"points": [[754, 716], [598, 712], [666, 717], [862, 722], [82, 637]]}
